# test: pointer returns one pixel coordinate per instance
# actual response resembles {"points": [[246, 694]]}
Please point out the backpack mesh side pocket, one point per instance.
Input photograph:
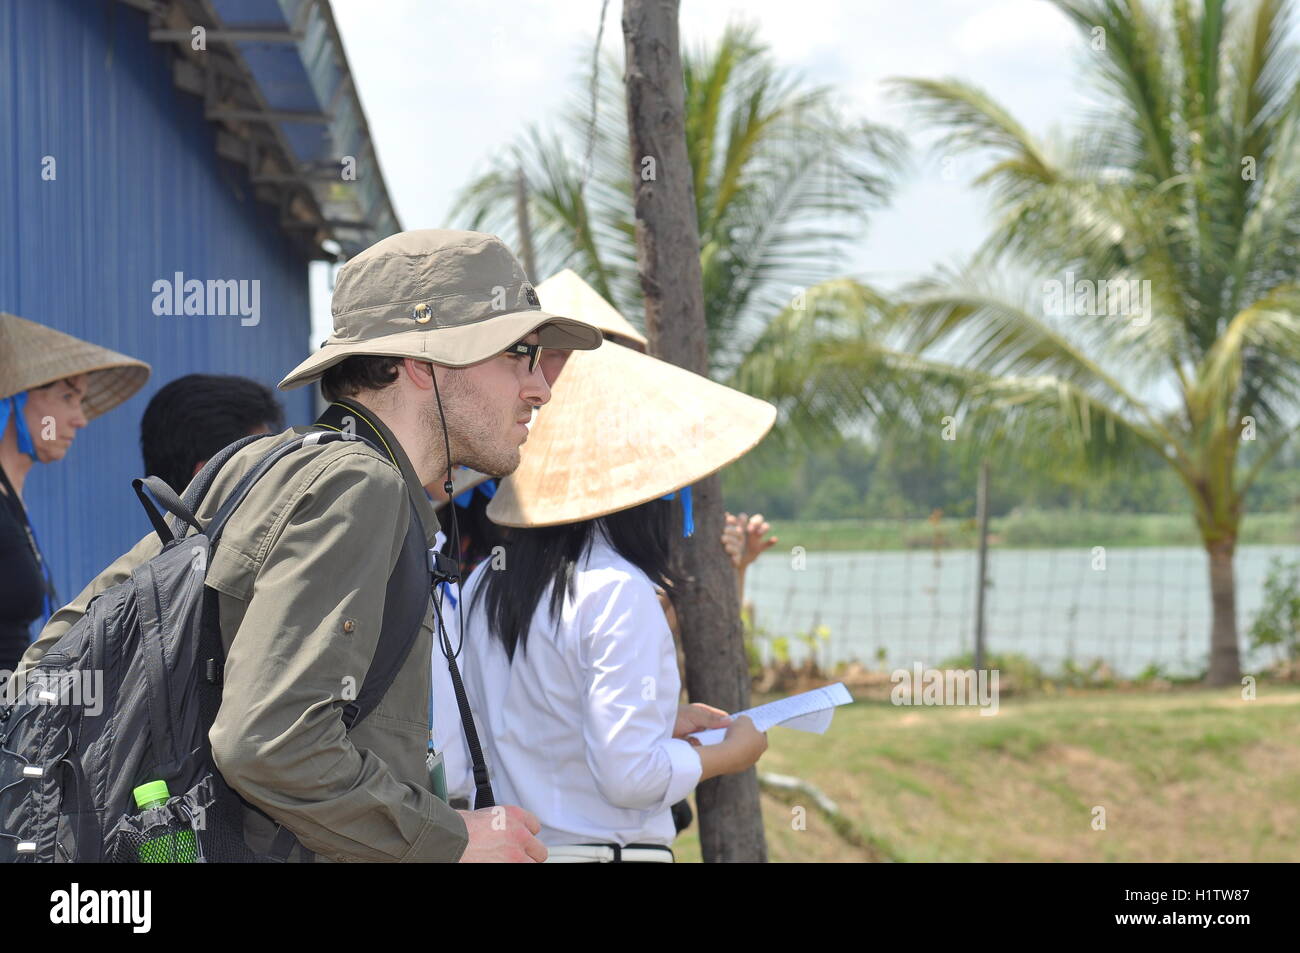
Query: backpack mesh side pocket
{"points": [[194, 827]]}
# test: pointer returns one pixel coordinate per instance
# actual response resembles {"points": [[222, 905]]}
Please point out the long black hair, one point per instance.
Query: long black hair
{"points": [[538, 559]]}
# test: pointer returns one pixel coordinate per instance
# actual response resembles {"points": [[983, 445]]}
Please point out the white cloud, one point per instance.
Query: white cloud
{"points": [[1012, 26]]}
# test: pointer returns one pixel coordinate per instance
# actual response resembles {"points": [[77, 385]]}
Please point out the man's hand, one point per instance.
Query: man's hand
{"points": [[502, 835], [698, 717]]}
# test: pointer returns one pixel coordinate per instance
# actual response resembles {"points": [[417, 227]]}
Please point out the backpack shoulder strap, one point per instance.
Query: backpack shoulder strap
{"points": [[180, 510], [409, 590], [409, 585], [236, 496], [198, 488]]}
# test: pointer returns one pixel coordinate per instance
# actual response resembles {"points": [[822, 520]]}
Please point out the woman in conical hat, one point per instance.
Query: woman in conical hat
{"points": [[569, 662], [51, 385]]}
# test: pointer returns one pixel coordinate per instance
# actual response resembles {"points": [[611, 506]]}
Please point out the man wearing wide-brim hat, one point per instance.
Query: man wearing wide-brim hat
{"points": [[434, 354]]}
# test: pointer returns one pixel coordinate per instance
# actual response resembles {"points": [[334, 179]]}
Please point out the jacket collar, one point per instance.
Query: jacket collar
{"points": [[366, 423]]}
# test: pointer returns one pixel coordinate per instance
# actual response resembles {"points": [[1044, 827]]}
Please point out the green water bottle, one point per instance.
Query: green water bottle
{"points": [[173, 848]]}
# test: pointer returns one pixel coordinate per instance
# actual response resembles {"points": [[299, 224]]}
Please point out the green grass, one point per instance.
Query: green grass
{"points": [[1029, 529], [1183, 775]]}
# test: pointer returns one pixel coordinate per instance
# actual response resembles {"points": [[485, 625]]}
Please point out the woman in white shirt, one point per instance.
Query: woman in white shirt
{"points": [[568, 660]]}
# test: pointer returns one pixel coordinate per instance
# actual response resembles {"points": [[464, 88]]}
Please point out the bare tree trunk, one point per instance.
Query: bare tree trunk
{"points": [[1225, 662], [668, 257]]}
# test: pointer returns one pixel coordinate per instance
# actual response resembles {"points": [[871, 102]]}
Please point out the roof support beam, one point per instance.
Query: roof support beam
{"points": [[268, 115], [228, 36]]}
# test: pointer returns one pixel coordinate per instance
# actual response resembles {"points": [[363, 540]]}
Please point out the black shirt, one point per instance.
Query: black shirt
{"points": [[22, 590]]}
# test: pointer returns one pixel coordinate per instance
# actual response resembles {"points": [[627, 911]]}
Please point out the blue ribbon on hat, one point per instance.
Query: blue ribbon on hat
{"points": [[15, 405], [688, 510]]}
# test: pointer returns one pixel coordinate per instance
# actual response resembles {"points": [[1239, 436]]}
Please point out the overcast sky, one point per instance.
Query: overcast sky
{"points": [[446, 84]]}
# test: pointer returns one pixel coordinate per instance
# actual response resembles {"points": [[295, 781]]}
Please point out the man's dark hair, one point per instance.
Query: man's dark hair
{"points": [[359, 372], [546, 557], [193, 417]]}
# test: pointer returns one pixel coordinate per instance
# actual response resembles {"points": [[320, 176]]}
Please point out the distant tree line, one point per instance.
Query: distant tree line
{"points": [[899, 477]]}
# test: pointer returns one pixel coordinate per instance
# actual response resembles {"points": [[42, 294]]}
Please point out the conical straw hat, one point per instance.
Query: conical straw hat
{"points": [[32, 355], [623, 428], [566, 293]]}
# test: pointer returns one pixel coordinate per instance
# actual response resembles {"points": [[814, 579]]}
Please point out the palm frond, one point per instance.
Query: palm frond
{"points": [[969, 120], [1129, 42], [1254, 366]]}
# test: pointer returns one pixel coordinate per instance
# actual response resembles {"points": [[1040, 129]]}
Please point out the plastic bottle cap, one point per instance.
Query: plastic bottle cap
{"points": [[151, 792]]}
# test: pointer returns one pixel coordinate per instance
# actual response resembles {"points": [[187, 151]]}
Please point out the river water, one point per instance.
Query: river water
{"points": [[1140, 606]]}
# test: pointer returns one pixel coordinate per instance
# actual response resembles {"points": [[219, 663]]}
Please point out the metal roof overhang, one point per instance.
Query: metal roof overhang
{"points": [[274, 76]]}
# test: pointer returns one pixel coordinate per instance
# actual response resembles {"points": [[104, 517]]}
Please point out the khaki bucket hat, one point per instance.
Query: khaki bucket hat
{"points": [[32, 355], [623, 428], [566, 293], [440, 295]]}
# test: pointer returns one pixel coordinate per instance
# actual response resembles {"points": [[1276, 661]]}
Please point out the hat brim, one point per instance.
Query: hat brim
{"points": [[458, 346], [109, 386], [566, 291], [33, 355]]}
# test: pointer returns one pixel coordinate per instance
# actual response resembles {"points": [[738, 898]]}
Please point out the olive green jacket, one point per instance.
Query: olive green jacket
{"points": [[301, 572]]}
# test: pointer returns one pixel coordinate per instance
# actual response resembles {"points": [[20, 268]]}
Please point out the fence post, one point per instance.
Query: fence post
{"points": [[981, 562]]}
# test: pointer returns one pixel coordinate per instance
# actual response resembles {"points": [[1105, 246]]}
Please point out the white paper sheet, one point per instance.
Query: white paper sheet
{"points": [[808, 711]]}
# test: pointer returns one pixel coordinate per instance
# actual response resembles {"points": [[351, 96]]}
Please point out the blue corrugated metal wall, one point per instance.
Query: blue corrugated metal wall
{"points": [[139, 195]]}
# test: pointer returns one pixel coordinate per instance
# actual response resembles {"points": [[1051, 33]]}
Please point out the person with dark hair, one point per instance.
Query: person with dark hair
{"points": [[570, 665], [51, 385], [194, 416]]}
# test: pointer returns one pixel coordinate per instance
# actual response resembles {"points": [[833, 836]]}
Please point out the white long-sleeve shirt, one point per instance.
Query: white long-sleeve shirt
{"points": [[578, 728]]}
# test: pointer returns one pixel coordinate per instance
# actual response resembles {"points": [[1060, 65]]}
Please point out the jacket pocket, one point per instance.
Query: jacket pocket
{"points": [[407, 700]]}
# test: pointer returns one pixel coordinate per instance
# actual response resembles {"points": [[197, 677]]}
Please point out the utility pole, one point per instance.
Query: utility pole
{"points": [[668, 260], [525, 228]]}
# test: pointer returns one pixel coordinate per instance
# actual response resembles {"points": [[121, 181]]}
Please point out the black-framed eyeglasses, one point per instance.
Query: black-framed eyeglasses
{"points": [[534, 352]]}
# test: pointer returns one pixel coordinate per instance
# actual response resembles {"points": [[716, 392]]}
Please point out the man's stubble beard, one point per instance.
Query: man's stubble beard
{"points": [[473, 444]]}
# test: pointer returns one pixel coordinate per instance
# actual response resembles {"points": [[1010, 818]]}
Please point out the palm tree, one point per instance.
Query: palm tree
{"points": [[1187, 180], [782, 185]]}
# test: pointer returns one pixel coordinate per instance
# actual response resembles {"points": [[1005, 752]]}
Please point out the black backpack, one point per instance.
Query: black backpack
{"points": [[68, 768]]}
